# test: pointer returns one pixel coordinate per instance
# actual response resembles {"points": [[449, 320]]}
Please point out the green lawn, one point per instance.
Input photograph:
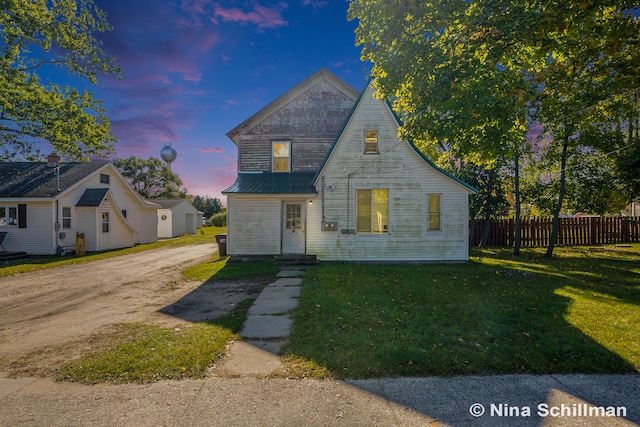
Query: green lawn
{"points": [[496, 314]]}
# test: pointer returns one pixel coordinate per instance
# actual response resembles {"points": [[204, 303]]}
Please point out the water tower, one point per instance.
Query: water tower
{"points": [[168, 154]]}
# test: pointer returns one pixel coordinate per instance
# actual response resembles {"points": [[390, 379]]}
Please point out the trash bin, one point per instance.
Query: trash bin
{"points": [[221, 240]]}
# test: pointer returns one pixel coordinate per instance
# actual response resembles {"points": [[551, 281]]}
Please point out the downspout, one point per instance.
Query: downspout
{"points": [[56, 227], [322, 196], [348, 201]]}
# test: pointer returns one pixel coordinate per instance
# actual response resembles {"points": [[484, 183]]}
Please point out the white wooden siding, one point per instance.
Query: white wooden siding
{"points": [[142, 218], [253, 225], [165, 226], [88, 224], [39, 236], [120, 234], [407, 177]]}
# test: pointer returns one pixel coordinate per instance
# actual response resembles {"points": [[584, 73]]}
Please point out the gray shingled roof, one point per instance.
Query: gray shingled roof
{"points": [[273, 183], [92, 197], [36, 179]]}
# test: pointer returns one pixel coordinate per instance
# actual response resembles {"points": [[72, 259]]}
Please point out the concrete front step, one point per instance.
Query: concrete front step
{"points": [[296, 259]]}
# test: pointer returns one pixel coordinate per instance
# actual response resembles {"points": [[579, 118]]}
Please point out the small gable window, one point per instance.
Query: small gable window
{"points": [[104, 178], [282, 157], [371, 141]]}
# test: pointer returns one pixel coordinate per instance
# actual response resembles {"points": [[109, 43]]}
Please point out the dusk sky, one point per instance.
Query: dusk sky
{"points": [[194, 69]]}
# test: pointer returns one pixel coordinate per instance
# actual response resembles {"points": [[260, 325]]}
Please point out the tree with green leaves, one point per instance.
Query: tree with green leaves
{"points": [[151, 178], [591, 185], [450, 87], [472, 76], [38, 36], [209, 206], [628, 157]]}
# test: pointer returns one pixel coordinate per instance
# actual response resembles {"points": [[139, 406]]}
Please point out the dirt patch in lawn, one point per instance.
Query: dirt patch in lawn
{"points": [[54, 316]]}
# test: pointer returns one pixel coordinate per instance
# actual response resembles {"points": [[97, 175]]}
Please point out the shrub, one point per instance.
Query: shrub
{"points": [[219, 219]]}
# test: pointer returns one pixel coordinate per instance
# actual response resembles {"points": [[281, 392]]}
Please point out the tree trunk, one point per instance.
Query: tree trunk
{"points": [[556, 214], [488, 210], [516, 245]]}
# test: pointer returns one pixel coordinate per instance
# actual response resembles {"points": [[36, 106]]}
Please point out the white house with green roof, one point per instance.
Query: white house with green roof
{"points": [[365, 197]]}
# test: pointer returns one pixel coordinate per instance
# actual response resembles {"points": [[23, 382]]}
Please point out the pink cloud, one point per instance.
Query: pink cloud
{"points": [[176, 47], [316, 4], [263, 17], [212, 150], [233, 102]]}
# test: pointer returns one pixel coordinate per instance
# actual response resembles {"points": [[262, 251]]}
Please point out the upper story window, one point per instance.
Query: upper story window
{"points": [[372, 211], [371, 141], [281, 157], [104, 178]]}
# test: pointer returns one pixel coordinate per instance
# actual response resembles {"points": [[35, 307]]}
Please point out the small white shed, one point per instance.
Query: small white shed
{"points": [[176, 217]]}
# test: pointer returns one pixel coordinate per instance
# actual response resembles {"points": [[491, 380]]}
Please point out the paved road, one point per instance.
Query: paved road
{"points": [[251, 401]]}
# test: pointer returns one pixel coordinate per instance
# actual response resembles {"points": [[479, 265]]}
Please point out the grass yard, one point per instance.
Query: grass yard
{"points": [[576, 313]]}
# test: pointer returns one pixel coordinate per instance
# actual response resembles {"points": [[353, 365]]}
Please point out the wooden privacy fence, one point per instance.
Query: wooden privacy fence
{"points": [[571, 231]]}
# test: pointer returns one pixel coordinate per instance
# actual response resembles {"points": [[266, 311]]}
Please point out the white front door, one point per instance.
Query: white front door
{"points": [[293, 228], [104, 231]]}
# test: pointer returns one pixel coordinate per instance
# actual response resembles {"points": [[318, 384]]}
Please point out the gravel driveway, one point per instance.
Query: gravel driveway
{"points": [[48, 316]]}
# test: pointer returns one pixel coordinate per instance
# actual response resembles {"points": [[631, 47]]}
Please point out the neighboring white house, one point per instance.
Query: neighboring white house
{"points": [[42, 211], [177, 217], [368, 196]]}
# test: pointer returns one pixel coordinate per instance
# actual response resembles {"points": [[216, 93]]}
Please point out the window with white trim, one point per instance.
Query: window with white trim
{"points": [[66, 217], [281, 154], [372, 211], [434, 212], [9, 216], [371, 142], [105, 222]]}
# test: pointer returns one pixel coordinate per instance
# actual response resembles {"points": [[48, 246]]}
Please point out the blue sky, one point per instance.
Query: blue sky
{"points": [[194, 69]]}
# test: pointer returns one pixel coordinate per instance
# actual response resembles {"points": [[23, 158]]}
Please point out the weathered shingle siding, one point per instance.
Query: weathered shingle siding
{"points": [[409, 180], [253, 225], [310, 121]]}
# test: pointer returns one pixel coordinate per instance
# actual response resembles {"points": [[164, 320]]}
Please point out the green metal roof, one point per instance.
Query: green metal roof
{"points": [[273, 183]]}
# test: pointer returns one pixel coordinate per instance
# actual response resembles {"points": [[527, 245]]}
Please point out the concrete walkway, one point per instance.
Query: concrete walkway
{"points": [[267, 327]]}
